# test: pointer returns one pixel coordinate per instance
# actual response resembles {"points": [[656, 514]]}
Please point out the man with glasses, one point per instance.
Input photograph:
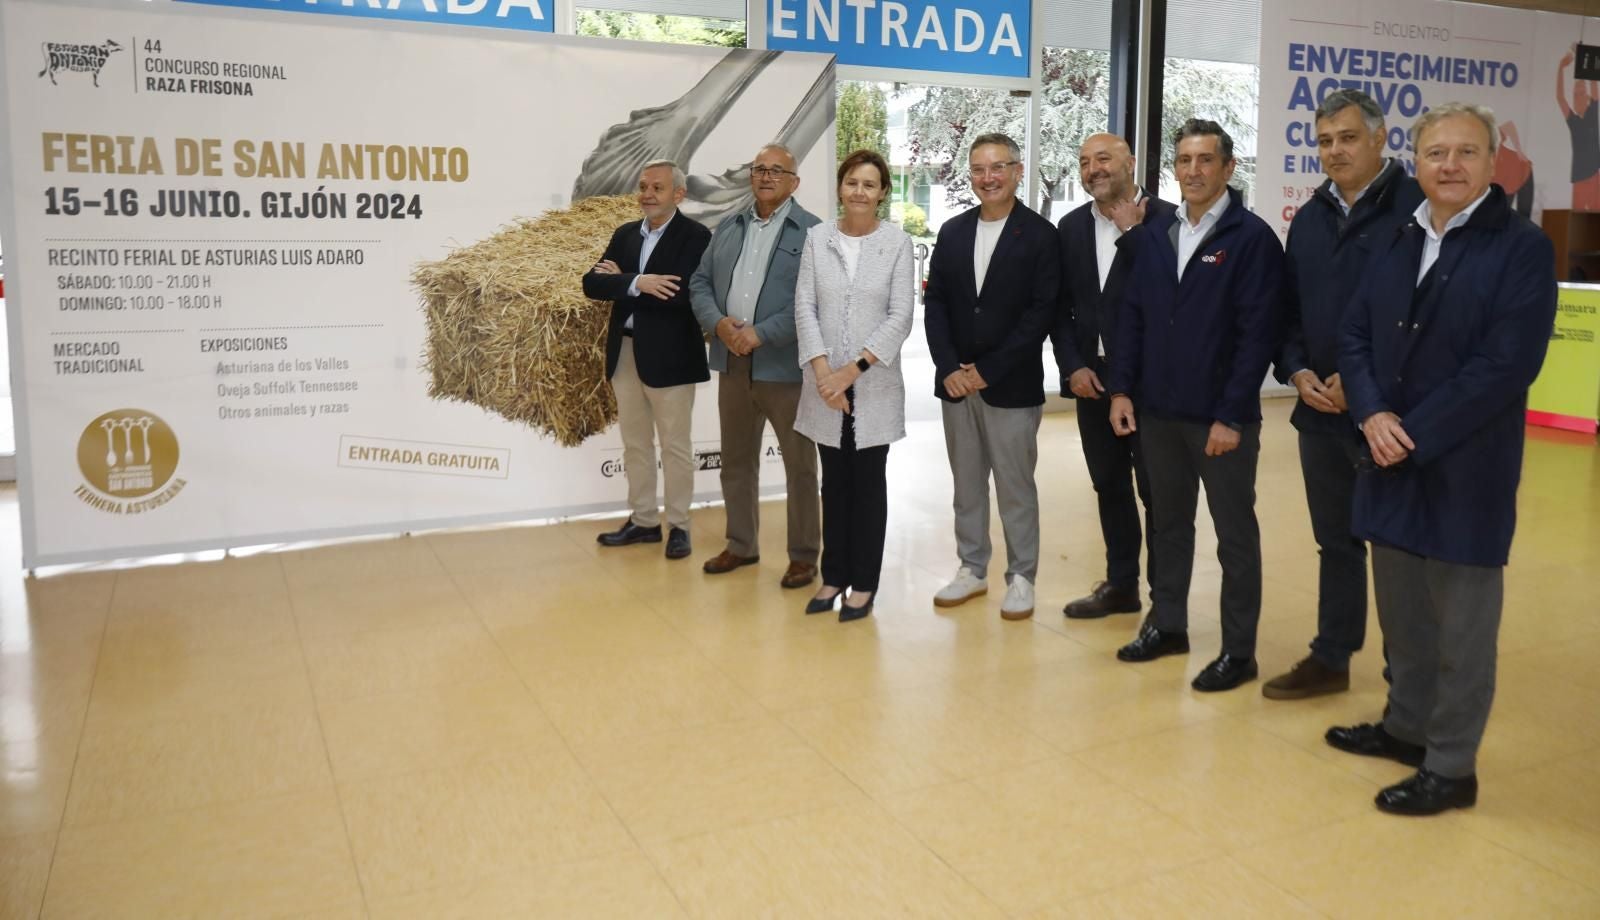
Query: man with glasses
{"points": [[990, 300], [1198, 326], [743, 296]]}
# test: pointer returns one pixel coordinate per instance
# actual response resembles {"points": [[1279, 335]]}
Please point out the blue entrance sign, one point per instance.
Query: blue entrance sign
{"points": [[525, 15], [952, 36]]}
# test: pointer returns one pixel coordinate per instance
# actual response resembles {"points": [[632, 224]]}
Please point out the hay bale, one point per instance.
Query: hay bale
{"points": [[509, 329]]}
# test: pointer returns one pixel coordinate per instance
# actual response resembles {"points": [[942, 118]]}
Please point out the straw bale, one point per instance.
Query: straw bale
{"points": [[509, 329]]}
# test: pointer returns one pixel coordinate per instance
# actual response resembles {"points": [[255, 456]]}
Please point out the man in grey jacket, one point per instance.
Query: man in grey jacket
{"points": [[743, 296]]}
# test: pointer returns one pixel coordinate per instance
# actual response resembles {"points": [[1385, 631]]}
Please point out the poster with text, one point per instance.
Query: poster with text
{"points": [[212, 219]]}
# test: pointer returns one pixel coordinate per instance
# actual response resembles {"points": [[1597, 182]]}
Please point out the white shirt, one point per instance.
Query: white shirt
{"points": [[851, 247], [1106, 234], [1430, 246], [651, 238], [983, 247], [1191, 235]]}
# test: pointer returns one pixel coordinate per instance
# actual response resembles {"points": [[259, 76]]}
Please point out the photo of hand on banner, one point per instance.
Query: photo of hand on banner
{"points": [[509, 329]]}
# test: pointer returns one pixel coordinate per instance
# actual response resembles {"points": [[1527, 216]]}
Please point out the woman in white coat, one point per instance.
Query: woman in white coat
{"points": [[852, 312]]}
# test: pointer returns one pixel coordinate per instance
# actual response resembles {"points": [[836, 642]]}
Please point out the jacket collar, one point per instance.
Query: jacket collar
{"points": [[1378, 195], [1232, 217]]}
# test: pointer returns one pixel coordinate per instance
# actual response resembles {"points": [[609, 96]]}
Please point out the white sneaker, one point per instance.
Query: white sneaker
{"points": [[1018, 604], [967, 585]]}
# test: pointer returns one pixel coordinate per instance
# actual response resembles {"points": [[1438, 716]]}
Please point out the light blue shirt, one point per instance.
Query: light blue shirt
{"points": [[651, 238], [1431, 245], [750, 272], [1191, 235]]}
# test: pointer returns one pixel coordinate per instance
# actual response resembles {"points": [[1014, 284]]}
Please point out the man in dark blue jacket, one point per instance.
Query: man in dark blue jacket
{"points": [[1096, 258], [1356, 212], [991, 297], [1197, 331], [1448, 331], [655, 355]]}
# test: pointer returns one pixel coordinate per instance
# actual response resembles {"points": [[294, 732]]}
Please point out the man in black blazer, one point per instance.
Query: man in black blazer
{"points": [[1096, 257], [993, 282], [655, 354]]}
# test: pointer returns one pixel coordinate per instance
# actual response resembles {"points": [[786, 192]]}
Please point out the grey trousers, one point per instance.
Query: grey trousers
{"points": [[982, 440], [1175, 454], [646, 414], [746, 406], [1441, 625]]}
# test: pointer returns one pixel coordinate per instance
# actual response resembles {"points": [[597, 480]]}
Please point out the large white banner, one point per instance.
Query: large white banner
{"points": [[212, 219], [1411, 55]]}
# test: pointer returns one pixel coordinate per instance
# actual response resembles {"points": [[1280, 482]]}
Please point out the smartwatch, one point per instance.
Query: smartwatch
{"points": [[863, 365]]}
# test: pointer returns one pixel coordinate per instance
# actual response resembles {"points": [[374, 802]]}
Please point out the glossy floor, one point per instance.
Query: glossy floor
{"points": [[516, 723]]}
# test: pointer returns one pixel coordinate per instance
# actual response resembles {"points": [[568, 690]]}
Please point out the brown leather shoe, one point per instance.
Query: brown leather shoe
{"points": [[799, 575], [1309, 677], [725, 562], [1105, 599]]}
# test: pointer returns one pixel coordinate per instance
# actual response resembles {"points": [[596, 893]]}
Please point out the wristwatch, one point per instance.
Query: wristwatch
{"points": [[863, 365]]}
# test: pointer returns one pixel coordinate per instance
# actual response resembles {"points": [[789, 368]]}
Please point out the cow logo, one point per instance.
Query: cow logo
{"points": [[71, 58], [128, 458]]}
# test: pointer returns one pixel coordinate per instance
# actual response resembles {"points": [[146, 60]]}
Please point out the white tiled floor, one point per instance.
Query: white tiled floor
{"points": [[514, 723]]}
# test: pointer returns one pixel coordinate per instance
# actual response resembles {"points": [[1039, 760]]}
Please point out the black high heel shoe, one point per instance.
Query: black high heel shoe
{"points": [[848, 613], [821, 605]]}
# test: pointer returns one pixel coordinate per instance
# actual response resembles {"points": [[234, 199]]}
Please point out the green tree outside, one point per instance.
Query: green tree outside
{"points": [[650, 27]]}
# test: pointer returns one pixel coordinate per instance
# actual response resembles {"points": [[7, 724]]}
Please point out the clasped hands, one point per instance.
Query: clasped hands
{"points": [[739, 336], [833, 384], [1386, 439], [1321, 395], [964, 382], [661, 287]]}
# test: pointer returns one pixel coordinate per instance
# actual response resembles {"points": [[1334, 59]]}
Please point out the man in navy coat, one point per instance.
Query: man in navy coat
{"points": [[1096, 258], [1197, 331], [655, 355], [1447, 333], [1351, 216]]}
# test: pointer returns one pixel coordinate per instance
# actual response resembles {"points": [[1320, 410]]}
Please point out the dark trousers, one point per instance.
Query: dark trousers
{"points": [[1116, 465], [1441, 625], [855, 510], [1328, 463], [1174, 451]]}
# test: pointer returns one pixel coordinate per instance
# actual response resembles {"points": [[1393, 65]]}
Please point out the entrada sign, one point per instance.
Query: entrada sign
{"points": [[526, 15], [989, 37]]}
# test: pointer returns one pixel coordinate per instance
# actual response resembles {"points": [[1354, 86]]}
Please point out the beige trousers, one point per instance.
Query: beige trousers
{"points": [[745, 407], [643, 414]]}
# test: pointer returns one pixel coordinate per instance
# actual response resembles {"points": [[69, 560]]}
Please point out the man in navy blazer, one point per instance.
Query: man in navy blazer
{"points": [[991, 298], [1197, 331], [1446, 335], [1352, 215], [1096, 257], [655, 354]]}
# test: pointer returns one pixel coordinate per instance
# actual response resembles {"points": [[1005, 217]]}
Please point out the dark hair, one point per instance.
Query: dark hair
{"points": [[1201, 127], [1339, 100], [995, 137], [864, 158]]}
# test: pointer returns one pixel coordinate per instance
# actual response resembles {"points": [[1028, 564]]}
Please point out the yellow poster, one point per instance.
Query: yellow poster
{"points": [[1567, 393]]}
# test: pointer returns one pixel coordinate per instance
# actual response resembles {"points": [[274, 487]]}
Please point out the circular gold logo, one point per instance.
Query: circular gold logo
{"points": [[128, 453]]}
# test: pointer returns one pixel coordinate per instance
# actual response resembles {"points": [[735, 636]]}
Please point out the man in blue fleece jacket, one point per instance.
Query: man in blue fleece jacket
{"points": [[1196, 332]]}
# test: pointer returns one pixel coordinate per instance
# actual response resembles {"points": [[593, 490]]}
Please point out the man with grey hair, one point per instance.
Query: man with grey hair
{"points": [[1365, 199], [743, 296], [1447, 331], [991, 298], [654, 353]]}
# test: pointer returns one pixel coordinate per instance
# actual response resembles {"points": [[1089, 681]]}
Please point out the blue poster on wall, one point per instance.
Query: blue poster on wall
{"points": [[525, 15], [990, 37]]}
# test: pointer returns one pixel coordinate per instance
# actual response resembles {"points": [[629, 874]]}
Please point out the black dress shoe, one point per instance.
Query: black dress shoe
{"points": [[823, 605], [678, 546], [1371, 740], [848, 613], [1152, 643], [1104, 600], [1225, 673], [630, 533], [1428, 793]]}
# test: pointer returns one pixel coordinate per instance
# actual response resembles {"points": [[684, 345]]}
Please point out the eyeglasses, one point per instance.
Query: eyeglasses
{"points": [[771, 172], [998, 169]]}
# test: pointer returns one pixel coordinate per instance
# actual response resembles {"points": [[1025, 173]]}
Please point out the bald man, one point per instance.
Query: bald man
{"points": [[1097, 253]]}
